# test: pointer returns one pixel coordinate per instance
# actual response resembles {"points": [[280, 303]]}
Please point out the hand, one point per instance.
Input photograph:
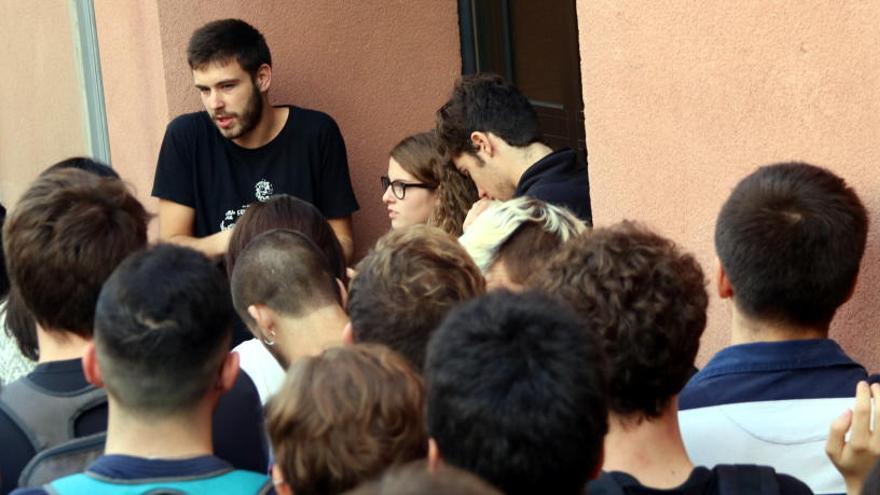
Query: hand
{"points": [[856, 458], [475, 211]]}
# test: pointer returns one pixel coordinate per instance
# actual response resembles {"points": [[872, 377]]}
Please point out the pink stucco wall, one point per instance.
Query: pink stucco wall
{"points": [[684, 98], [379, 67]]}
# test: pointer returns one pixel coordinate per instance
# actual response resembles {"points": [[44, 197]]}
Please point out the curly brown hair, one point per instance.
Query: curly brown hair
{"points": [[646, 299], [419, 156], [405, 287], [344, 416]]}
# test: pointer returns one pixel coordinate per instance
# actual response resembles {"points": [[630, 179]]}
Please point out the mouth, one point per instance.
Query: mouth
{"points": [[392, 214], [224, 121]]}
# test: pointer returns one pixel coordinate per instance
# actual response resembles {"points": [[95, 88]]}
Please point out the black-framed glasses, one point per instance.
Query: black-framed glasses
{"points": [[398, 187]]}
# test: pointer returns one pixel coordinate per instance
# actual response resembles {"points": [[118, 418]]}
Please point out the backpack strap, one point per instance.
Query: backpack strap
{"points": [[47, 417], [64, 459], [233, 481], [746, 479]]}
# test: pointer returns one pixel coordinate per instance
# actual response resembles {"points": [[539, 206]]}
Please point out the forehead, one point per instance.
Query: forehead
{"points": [[221, 70], [397, 172], [465, 162]]}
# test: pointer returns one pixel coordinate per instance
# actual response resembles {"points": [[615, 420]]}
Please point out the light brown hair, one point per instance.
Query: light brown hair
{"points": [[419, 156], [344, 416], [417, 478], [405, 287], [66, 235]]}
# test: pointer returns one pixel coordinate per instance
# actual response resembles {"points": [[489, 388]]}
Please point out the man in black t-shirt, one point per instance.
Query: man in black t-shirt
{"points": [[646, 300], [490, 130], [241, 149]]}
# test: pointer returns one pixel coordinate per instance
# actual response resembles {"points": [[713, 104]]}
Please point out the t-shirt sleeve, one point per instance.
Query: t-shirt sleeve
{"points": [[335, 195], [174, 170]]}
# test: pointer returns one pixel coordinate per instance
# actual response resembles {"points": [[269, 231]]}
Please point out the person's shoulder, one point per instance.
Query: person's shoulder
{"points": [[312, 119], [789, 485], [188, 122]]}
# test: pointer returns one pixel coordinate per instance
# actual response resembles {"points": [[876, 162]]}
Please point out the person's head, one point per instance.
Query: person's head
{"points": [[83, 163], [511, 241], [421, 187], [405, 287], [645, 299], [344, 416], [790, 239], [162, 332], [416, 478], [484, 116], [281, 274], [516, 394], [68, 232], [283, 211], [232, 69]]}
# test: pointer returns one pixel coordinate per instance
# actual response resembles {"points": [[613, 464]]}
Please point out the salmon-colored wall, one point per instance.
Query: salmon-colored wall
{"points": [[684, 98], [42, 103], [379, 67]]}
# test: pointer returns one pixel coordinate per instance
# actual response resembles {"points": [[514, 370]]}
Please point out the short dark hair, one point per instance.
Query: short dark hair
{"points": [[162, 329], [67, 233], [417, 478], [790, 238], [405, 287], [228, 39], [647, 302], [284, 211], [486, 103], [83, 163], [284, 270], [344, 416], [516, 393]]}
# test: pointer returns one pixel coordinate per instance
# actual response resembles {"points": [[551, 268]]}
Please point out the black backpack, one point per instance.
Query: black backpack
{"points": [[48, 418]]}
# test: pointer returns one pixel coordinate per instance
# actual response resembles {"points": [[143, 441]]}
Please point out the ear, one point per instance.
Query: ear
{"points": [[348, 334], [481, 141], [264, 318], [725, 290], [263, 78], [434, 459], [343, 293], [228, 372], [281, 486], [90, 365]]}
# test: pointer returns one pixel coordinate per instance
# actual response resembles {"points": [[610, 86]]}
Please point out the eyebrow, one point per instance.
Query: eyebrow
{"points": [[219, 83]]}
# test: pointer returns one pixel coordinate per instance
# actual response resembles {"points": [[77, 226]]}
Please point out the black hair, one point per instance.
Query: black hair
{"points": [[162, 327], [516, 393], [228, 39], [790, 238], [83, 163]]}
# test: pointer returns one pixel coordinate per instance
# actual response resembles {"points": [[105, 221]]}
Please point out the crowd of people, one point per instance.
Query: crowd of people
{"points": [[491, 342]]}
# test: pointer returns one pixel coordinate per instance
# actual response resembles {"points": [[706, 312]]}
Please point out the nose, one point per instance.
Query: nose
{"points": [[216, 101], [388, 196]]}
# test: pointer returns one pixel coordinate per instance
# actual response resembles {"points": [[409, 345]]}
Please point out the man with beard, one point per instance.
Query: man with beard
{"points": [[242, 149]]}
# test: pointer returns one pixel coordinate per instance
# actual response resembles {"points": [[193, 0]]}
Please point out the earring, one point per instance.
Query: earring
{"points": [[270, 341]]}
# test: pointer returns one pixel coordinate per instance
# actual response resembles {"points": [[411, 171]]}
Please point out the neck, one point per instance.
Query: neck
{"points": [[269, 126], [747, 330], [178, 436], [525, 157], [59, 345], [651, 450], [310, 334]]}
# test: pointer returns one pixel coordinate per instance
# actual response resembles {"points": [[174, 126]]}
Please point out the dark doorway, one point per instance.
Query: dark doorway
{"points": [[533, 44]]}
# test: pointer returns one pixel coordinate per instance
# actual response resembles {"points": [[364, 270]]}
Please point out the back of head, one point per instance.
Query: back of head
{"points": [[520, 233], [416, 478], [85, 164], [419, 156], [344, 416], [645, 299], [68, 232], [283, 211], [162, 330], [225, 40], [790, 238], [485, 103], [284, 270], [516, 394], [405, 287]]}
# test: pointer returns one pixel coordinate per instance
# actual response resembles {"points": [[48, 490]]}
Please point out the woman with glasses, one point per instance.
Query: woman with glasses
{"points": [[423, 187]]}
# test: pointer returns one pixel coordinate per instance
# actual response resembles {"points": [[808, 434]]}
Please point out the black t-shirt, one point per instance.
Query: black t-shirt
{"points": [[702, 481], [200, 168]]}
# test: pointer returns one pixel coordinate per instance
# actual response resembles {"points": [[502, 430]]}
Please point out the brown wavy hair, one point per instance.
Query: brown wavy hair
{"points": [[344, 416], [419, 156]]}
